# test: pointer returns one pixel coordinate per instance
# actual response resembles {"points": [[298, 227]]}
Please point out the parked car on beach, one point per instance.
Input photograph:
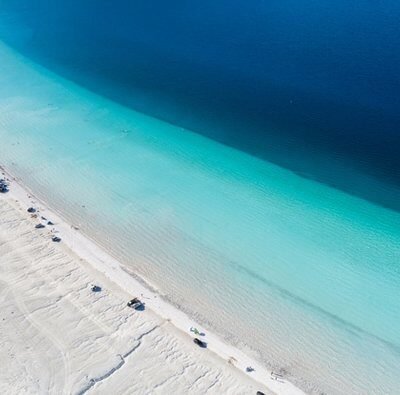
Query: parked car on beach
{"points": [[200, 343], [136, 304]]}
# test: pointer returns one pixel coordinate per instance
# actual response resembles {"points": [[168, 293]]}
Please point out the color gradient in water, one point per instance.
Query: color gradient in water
{"points": [[300, 274], [285, 239]]}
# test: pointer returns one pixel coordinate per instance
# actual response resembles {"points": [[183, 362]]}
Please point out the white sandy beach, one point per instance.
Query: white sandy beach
{"points": [[57, 336]]}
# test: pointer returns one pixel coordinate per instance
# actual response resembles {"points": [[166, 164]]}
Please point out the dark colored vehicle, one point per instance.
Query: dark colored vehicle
{"points": [[31, 210], [39, 226], [136, 304], [200, 343], [96, 288], [260, 393], [3, 186], [56, 239], [50, 223]]}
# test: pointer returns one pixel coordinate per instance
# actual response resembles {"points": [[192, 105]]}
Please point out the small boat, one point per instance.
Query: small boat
{"points": [[56, 239], [39, 226]]}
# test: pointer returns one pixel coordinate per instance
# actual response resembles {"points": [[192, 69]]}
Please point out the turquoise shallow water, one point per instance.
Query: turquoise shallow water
{"points": [[304, 277]]}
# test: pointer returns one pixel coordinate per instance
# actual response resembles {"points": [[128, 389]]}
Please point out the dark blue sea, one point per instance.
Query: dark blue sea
{"points": [[311, 86]]}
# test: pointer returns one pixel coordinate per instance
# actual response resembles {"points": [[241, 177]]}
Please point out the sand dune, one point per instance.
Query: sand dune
{"points": [[57, 336]]}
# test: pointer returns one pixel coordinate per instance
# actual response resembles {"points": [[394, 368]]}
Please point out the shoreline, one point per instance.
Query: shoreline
{"points": [[99, 259]]}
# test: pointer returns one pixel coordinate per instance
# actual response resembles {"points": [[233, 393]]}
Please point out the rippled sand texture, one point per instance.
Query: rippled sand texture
{"points": [[301, 275], [56, 336]]}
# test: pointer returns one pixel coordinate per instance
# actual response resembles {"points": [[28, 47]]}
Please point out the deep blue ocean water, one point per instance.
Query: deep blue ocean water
{"points": [[306, 85], [312, 87]]}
